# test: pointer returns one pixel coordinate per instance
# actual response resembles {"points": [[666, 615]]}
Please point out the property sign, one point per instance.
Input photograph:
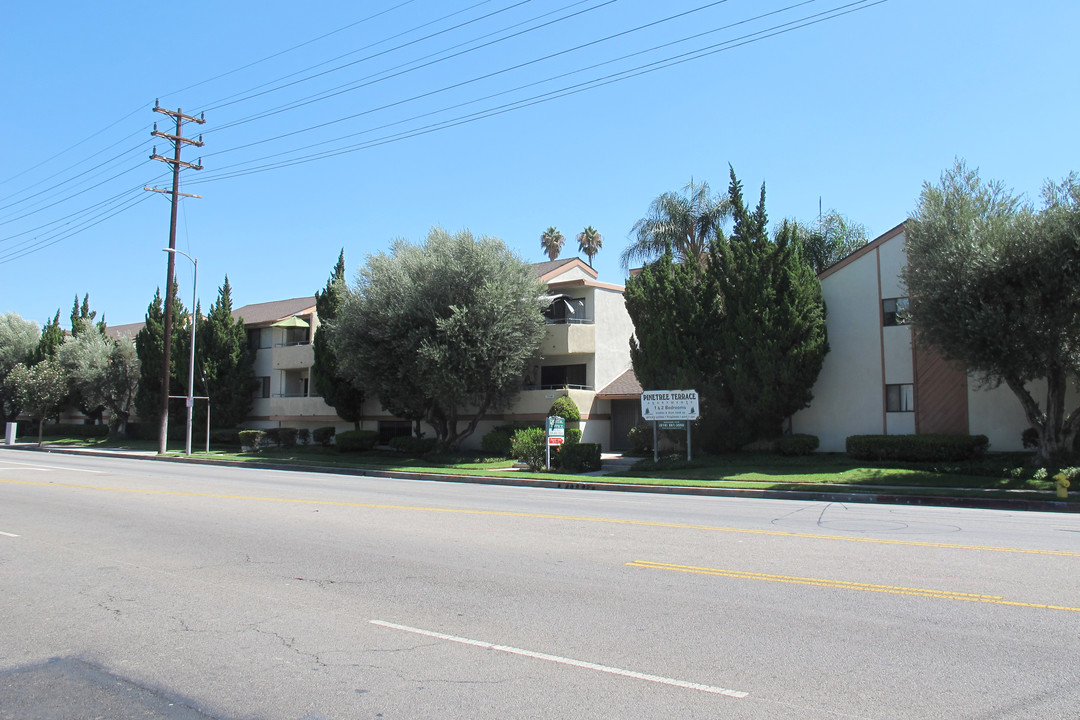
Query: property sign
{"points": [[672, 424], [669, 405], [556, 426], [554, 441]]}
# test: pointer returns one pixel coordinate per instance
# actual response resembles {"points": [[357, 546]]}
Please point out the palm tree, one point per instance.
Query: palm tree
{"points": [[590, 242], [552, 241], [687, 223]]}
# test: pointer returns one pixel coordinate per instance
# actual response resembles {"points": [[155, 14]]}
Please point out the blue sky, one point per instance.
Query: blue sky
{"points": [[858, 109]]}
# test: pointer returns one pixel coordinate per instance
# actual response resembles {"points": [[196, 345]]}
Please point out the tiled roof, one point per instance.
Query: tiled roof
{"points": [[624, 386], [130, 330], [541, 269], [259, 313]]}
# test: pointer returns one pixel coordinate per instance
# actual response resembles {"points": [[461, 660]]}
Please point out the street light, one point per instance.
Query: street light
{"points": [[191, 359]]}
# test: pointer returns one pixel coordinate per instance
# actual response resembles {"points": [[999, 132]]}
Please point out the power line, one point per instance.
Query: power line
{"points": [[221, 173]]}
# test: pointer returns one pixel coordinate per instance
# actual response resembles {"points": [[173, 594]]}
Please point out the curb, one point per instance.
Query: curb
{"points": [[805, 495]]}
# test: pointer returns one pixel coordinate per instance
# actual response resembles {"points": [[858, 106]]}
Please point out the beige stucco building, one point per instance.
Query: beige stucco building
{"points": [[585, 351], [877, 380]]}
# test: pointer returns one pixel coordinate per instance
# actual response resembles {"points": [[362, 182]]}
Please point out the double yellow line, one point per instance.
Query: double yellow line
{"points": [[845, 585]]}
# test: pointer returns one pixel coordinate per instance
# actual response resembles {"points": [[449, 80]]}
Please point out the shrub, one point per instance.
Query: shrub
{"points": [[254, 439], [798, 444], [640, 439], [565, 407], [356, 440], [412, 445], [917, 448], [497, 441], [286, 437], [272, 437], [528, 447], [1030, 438], [580, 457], [225, 436], [324, 436], [303, 436]]}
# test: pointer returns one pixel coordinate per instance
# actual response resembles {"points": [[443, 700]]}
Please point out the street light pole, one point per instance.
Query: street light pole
{"points": [[191, 357]]}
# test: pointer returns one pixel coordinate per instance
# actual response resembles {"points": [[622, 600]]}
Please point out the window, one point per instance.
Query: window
{"points": [[894, 311], [393, 428], [566, 309], [262, 387], [556, 377], [900, 398], [259, 338]]}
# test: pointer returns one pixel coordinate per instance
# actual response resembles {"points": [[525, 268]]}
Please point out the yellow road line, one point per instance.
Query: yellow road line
{"points": [[845, 585], [544, 516]]}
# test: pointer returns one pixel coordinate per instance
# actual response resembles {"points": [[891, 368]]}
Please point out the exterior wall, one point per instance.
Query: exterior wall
{"points": [[849, 395]]}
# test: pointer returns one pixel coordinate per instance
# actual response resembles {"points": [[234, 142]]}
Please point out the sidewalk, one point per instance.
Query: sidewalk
{"points": [[613, 464]]}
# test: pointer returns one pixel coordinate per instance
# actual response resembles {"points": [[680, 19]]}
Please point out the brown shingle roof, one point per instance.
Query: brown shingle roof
{"points": [[267, 312], [624, 387]]}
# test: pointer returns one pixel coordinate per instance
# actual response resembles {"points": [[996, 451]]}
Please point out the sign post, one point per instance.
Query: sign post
{"points": [[668, 410], [555, 434]]}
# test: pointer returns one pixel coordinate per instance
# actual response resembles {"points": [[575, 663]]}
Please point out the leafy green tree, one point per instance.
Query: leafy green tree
{"points": [[551, 241], [85, 358], [673, 308], [227, 363], [18, 342], [343, 394], [829, 239], [41, 389], [150, 348], [589, 242], [52, 337], [771, 338], [687, 223], [121, 383], [442, 331], [993, 284]]}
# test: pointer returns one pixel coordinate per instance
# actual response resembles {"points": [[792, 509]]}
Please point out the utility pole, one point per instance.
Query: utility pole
{"points": [[178, 141]]}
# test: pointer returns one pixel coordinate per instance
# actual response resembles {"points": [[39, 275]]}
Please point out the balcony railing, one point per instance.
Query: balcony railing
{"points": [[570, 321]]}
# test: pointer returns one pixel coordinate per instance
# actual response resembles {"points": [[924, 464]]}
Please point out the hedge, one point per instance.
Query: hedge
{"points": [[412, 445], [917, 448], [28, 429], [580, 457], [324, 436], [225, 436], [797, 444], [253, 439], [566, 408], [356, 440]]}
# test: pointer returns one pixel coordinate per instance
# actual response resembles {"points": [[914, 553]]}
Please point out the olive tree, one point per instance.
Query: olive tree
{"points": [[994, 283], [441, 331]]}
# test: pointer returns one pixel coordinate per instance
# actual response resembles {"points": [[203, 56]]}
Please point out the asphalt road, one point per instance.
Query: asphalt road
{"points": [[140, 589]]}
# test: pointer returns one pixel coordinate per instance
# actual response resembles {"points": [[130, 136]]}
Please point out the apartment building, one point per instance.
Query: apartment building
{"points": [[877, 379], [585, 351]]}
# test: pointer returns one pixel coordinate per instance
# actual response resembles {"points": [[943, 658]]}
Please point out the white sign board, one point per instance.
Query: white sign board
{"points": [[669, 405]]}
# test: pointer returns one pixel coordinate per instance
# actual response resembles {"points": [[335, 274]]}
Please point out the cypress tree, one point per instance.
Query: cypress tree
{"points": [[337, 391], [771, 339], [227, 363], [52, 337], [150, 348]]}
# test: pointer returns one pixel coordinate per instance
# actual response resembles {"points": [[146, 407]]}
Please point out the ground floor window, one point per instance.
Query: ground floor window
{"points": [[393, 428], [900, 398], [262, 387]]}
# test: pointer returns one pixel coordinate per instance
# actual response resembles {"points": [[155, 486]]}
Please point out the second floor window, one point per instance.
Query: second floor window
{"points": [[900, 398], [894, 311]]}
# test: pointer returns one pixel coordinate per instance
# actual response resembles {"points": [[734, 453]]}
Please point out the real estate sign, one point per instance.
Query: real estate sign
{"points": [[670, 405]]}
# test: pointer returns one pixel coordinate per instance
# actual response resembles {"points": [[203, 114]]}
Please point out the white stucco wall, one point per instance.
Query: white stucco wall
{"points": [[613, 331], [848, 395]]}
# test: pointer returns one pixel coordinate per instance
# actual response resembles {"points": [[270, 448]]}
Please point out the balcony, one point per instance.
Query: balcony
{"points": [[569, 338], [292, 357], [299, 407], [538, 402]]}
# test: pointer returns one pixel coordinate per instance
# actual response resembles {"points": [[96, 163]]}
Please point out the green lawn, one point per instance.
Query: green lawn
{"points": [[1002, 475]]}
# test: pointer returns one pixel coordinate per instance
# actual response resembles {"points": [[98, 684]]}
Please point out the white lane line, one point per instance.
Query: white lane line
{"points": [[41, 468], [566, 661], [8, 534]]}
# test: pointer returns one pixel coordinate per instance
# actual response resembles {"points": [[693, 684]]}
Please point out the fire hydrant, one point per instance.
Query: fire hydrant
{"points": [[1062, 485]]}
